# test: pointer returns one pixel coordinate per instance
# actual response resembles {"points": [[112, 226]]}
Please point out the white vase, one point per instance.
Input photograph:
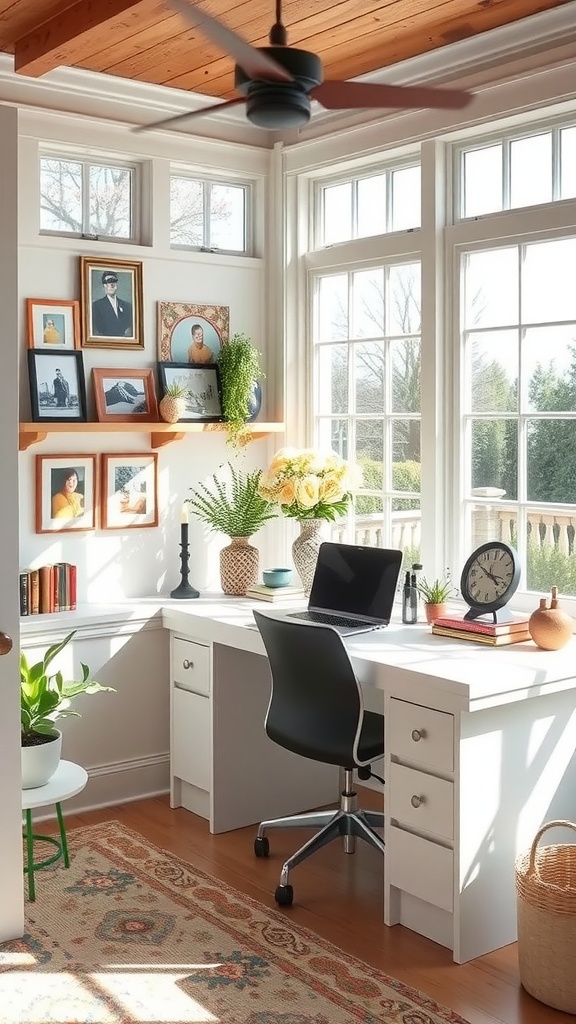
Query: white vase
{"points": [[41, 761], [305, 550]]}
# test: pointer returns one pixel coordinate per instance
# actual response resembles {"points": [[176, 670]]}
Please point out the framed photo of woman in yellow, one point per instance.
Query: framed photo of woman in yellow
{"points": [[66, 493]]}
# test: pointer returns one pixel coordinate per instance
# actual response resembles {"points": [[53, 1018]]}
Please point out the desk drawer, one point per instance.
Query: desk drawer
{"points": [[191, 746], [191, 665], [422, 735], [421, 868], [421, 801]]}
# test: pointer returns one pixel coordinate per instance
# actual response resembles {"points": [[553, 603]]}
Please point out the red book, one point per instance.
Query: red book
{"points": [[72, 604], [481, 626]]}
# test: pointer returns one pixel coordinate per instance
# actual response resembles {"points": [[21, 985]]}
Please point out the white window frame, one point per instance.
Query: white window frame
{"points": [[93, 159], [249, 208]]}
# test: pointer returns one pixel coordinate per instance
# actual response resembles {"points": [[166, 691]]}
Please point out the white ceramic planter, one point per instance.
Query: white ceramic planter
{"points": [[39, 763]]}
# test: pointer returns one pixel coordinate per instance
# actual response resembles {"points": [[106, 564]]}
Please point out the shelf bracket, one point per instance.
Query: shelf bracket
{"points": [[158, 440], [29, 437]]}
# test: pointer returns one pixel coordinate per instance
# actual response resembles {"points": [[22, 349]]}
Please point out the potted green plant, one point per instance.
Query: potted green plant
{"points": [[173, 403], [231, 504], [435, 594], [44, 699], [240, 373]]}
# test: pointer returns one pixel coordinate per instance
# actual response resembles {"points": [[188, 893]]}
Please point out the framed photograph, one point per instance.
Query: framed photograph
{"points": [[66, 493], [129, 491], [57, 388], [125, 395], [202, 384], [111, 302], [188, 333], [53, 324]]}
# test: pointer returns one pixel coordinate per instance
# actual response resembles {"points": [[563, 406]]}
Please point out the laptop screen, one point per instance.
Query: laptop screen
{"points": [[355, 580]]}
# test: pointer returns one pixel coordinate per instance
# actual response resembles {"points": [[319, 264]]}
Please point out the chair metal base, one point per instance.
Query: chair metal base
{"points": [[348, 821]]}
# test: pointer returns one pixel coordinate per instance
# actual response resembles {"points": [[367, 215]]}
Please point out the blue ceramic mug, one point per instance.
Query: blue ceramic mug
{"points": [[277, 577]]}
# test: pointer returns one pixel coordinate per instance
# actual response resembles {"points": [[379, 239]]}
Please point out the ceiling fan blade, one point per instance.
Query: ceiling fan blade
{"points": [[253, 62], [348, 95], [168, 121]]}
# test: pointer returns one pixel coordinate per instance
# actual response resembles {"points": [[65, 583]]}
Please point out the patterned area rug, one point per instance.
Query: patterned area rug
{"points": [[129, 933]]}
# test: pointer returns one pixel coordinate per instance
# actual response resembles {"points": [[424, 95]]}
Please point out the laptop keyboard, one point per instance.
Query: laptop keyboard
{"points": [[330, 620]]}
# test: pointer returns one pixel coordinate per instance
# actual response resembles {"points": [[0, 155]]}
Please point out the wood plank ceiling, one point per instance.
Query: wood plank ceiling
{"points": [[148, 41]]}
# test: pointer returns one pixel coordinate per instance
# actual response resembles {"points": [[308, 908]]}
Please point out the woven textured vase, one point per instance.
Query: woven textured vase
{"points": [[239, 563], [305, 550]]}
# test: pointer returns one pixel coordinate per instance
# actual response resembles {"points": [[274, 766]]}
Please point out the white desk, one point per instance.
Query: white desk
{"points": [[486, 737]]}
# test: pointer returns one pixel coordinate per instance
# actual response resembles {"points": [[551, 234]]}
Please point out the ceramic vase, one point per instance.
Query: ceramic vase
{"points": [[305, 550], [254, 402], [171, 408], [239, 562], [549, 626]]}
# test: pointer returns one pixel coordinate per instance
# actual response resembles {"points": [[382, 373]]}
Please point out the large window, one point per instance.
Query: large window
{"points": [[370, 205], [87, 198], [207, 214]]}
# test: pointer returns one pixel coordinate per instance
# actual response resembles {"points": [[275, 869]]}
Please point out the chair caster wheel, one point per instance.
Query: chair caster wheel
{"points": [[284, 895], [261, 846]]}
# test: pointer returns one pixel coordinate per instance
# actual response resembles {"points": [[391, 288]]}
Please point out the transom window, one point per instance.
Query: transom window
{"points": [[207, 214], [518, 171], [87, 198], [367, 393], [369, 205]]}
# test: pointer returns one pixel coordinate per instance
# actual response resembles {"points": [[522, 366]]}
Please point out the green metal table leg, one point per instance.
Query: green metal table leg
{"points": [[30, 856], [63, 842]]}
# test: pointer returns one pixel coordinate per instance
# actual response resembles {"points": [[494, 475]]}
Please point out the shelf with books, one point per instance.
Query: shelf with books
{"points": [[160, 433]]}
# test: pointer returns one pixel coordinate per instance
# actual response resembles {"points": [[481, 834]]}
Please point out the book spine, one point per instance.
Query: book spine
{"points": [[55, 588], [24, 593], [489, 628], [34, 592], [72, 587]]}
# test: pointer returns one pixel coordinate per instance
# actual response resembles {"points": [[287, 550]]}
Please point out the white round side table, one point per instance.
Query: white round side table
{"points": [[68, 780]]}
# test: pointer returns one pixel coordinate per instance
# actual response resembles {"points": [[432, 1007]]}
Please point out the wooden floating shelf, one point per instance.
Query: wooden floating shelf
{"points": [[160, 433]]}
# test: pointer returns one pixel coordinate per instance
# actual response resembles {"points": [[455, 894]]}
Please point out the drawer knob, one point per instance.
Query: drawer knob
{"points": [[187, 664], [416, 800], [417, 735]]}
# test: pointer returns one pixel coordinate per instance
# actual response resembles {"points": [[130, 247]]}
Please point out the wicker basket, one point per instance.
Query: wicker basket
{"points": [[546, 904]]}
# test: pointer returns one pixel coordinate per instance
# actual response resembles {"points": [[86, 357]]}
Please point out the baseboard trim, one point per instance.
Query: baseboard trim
{"points": [[118, 783]]}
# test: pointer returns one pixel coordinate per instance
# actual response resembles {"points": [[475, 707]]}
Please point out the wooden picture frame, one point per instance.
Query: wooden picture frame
{"points": [[57, 387], [203, 390], [129, 491], [66, 493], [181, 322], [125, 396], [53, 324], [111, 303]]}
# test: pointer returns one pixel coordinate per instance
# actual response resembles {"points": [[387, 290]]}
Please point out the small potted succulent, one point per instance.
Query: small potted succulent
{"points": [[231, 504], [44, 699], [173, 404], [435, 594], [240, 374]]}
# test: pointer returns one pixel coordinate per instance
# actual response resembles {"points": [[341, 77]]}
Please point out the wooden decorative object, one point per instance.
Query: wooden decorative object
{"points": [[549, 626]]}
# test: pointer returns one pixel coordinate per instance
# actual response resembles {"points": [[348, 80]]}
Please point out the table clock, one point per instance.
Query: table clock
{"points": [[489, 579]]}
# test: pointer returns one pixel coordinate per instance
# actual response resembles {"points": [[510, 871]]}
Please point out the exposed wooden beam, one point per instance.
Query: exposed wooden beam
{"points": [[66, 37]]}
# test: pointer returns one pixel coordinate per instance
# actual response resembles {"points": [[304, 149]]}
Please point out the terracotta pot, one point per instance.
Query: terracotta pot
{"points": [[434, 611], [549, 626]]}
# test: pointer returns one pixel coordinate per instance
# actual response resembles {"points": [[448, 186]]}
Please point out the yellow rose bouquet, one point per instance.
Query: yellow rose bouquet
{"points": [[308, 484]]}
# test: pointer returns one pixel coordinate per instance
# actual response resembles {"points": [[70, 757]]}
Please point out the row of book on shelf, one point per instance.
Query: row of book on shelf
{"points": [[494, 634], [50, 588]]}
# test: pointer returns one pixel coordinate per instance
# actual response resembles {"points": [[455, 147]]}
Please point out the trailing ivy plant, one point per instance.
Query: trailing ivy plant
{"points": [[239, 370], [231, 503]]}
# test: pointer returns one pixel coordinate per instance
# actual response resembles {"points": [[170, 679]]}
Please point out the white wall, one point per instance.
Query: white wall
{"points": [[114, 564]]}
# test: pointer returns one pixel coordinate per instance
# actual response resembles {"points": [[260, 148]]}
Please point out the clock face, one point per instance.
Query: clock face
{"points": [[490, 576]]}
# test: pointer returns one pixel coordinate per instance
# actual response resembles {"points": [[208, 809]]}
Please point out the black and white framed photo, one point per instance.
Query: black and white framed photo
{"points": [[111, 302], [66, 492], [125, 395], [202, 386], [129, 491], [57, 388]]}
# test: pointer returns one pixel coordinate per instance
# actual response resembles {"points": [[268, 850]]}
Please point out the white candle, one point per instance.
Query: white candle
{"points": [[184, 515]]}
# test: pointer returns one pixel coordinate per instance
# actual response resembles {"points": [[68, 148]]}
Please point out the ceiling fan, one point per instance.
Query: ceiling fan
{"points": [[277, 82]]}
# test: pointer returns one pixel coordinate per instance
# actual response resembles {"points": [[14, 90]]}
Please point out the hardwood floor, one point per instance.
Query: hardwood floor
{"points": [[339, 897]]}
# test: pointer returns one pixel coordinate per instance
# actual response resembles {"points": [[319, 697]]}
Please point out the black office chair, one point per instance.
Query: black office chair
{"points": [[316, 710]]}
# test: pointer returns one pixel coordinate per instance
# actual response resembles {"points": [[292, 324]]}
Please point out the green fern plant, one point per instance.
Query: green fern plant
{"points": [[232, 504], [239, 365]]}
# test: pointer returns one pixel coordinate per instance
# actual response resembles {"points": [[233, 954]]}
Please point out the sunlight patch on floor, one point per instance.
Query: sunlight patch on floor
{"points": [[154, 997]]}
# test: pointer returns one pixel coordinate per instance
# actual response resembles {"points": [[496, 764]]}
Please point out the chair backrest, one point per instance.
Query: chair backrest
{"points": [[316, 706]]}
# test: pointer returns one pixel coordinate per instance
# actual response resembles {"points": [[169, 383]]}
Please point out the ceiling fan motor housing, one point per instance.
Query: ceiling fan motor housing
{"points": [[279, 105]]}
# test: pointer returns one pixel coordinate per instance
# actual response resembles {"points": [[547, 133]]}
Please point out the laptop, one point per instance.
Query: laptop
{"points": [[353, 588]]}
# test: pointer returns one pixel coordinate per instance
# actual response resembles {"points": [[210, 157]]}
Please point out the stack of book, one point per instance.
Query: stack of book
{"points": [[261, 592], [51, 588], [495, 634]]}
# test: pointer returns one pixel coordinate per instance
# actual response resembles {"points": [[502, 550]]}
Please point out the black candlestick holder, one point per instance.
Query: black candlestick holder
{"points": [[184, 589]]}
